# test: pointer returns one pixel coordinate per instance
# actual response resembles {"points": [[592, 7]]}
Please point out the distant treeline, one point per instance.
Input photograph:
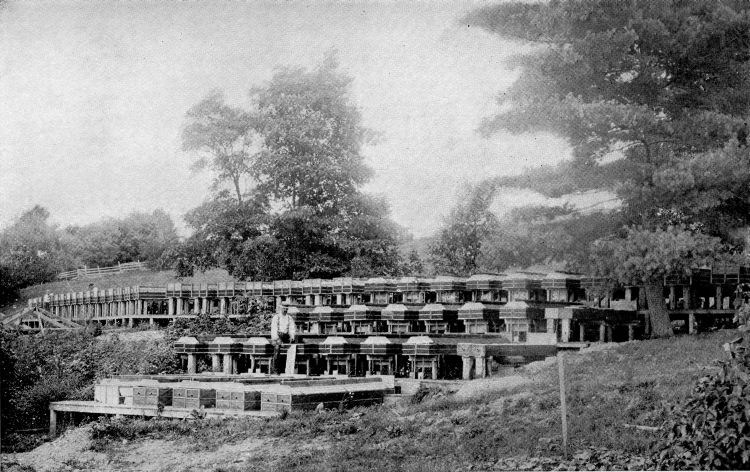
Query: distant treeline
{"points": [[33, 250]]}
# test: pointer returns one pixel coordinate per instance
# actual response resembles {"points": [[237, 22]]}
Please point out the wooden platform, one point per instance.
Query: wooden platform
{"points": [[98, 408]]}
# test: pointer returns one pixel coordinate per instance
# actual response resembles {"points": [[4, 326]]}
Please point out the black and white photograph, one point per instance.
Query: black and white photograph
{"points": [[374, 235]]}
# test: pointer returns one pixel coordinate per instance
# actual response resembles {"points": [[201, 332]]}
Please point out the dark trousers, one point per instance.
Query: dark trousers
{"points": [[283, 339]]}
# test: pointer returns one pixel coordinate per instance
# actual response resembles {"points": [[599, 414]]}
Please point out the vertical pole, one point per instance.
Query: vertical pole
{"points": [[565, 330], [691, 323], [227, 363], [551, 328], [641, 298], [672, 297], [52, 422], [563, 404], [191, 367], [581, 332], [467, 364]]}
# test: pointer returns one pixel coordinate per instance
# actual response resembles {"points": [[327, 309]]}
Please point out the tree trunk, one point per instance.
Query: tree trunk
{"points": [[236, 180], [659, 316]]}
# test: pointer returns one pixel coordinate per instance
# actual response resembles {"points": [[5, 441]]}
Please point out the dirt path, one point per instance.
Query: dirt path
{"points": [[71, 451], [68, 452]]}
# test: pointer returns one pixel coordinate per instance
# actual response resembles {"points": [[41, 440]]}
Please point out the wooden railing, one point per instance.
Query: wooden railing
{"points": [[88, 272]]}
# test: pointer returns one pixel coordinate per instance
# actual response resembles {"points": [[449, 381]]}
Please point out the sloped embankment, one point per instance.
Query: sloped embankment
{"points": [[500, 423]]}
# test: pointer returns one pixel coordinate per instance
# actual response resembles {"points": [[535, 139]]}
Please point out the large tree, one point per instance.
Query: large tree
{"points": [[457, 248], [137, 236], [557, 236], [222, 138], [30, 252], [313, 137], [306, 215], [652, 96]]}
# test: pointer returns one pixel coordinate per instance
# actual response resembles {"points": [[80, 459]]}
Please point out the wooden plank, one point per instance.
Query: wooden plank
{"points": [[291, 359], [167, 412]]}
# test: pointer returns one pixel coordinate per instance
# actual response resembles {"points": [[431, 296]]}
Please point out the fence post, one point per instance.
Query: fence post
{"points": [[563, 404]]}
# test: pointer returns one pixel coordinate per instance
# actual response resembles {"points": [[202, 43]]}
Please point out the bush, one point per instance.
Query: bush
{"points": [[37, 370], [712, 430], [257, 321]]}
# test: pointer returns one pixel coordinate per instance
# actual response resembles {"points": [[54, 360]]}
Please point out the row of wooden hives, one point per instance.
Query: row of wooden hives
{"points": [[249, 395], [555, 286], [374, 290], [427, 356]]}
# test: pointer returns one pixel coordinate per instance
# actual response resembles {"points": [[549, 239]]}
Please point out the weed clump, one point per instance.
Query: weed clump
{"points": [[712, 429]]}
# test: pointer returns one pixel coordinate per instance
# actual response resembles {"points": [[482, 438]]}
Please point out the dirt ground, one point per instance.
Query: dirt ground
{"points": [[72, 452]]}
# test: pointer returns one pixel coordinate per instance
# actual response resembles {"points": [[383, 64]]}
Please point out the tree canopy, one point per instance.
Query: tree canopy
{"points": [[652, 97], [312, 135], [137, 236], [458, 245], [222, 139], [30, 252], [305, 215]]}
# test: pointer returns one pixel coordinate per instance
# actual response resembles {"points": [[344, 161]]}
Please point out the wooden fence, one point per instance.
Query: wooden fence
{"points": [[88, 272]]}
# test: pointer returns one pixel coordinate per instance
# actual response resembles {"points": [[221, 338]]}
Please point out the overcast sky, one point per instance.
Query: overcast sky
{"points": [[92, 98]]}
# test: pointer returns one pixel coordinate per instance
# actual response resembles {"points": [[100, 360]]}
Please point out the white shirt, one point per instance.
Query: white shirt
{"points": [[282, 324]]}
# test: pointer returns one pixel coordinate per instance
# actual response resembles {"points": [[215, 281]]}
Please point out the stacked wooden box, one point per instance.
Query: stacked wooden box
{"points": [[152, 396], [303, 397], [238, 399], [125, 395], [193, 397], [107, 393]]}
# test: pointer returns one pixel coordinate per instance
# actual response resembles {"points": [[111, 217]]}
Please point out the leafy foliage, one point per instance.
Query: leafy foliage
{"points": [[652, 98], [31, 252], [223, 139], [257, 321], [313, 137], [63, 366], [644, 257], [711, 430], [458, 246], [305, 216], [552, 236], [661, 85], [137, 236]]}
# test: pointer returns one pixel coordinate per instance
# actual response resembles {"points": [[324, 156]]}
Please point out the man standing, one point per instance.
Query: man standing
{"points": [[283, 330]]}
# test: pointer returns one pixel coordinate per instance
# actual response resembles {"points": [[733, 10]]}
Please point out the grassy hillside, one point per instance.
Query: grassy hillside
{"points": [[498, 423]]}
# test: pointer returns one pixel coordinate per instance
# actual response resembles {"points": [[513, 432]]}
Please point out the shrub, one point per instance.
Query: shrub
{"points": [[712, 430], [257, 321], [37, 370]]}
